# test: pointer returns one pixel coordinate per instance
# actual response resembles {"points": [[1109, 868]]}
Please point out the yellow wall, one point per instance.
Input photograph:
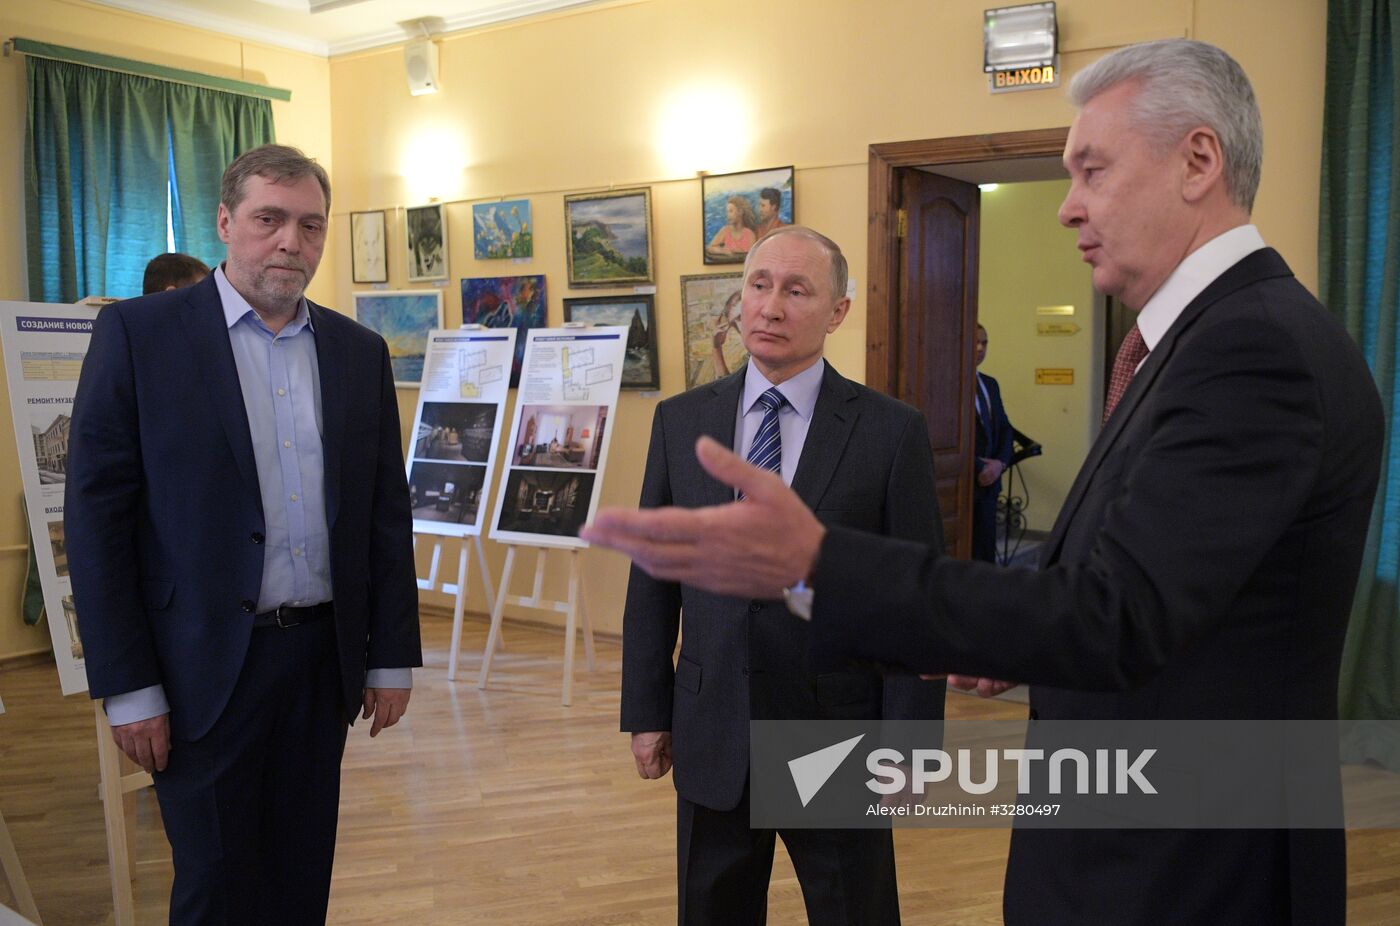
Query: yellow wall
{"points": [[1028, 260], [589, 101], [592, 99], [304, 121]]}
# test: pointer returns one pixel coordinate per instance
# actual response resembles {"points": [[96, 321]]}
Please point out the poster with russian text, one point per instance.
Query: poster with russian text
{"points": [[44, 347], [559, 438], [457, 428]]}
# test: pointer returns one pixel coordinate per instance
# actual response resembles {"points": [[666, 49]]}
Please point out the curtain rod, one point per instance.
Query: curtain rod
{"points": [[142, 69]]}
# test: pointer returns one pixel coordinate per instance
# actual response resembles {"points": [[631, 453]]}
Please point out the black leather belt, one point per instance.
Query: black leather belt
{"points": [[287, 616]]}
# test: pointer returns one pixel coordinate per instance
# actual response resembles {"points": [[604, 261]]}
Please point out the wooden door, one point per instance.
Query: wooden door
{"points": [[937, 318]]}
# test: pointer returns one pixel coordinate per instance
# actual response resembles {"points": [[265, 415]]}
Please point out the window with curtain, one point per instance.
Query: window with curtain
{"points": [[1359, 259], [116, 166]]}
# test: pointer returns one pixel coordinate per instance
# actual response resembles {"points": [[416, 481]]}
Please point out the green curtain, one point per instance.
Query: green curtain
{"points": [[1359, 260], [95, 180], [208, 129], [105, 154]]}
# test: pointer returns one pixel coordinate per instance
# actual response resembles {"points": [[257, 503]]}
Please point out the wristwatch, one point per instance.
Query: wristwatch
{"points": [[798, 599]]}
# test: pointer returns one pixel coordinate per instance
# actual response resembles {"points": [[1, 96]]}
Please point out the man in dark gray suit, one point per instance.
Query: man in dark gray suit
{"points": [[856, 458], [1203, 565]]}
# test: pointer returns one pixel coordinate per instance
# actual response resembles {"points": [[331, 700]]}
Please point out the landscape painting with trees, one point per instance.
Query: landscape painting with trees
{"points": [[609, 237]]}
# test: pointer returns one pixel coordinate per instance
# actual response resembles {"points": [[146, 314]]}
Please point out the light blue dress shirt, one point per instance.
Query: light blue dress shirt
{"points": [[794, 418], [282, 396]]}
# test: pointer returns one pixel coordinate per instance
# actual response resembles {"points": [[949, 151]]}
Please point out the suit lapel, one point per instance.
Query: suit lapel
{"points": [[207, 330], [1257, 266], [833, 419], [331, 364], [718, 420]]}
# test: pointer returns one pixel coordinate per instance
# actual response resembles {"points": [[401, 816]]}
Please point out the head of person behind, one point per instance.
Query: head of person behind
{"points": [[274, 204], [980, 346], [172, 271], [794, 296], [1163, 156]]}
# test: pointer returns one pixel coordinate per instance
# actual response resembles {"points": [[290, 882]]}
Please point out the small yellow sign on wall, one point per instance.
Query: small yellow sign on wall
{"points": [[1056, 329], [1054, 310], [1054, 376]]}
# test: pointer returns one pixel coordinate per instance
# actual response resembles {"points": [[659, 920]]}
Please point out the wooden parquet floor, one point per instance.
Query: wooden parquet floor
{"points": [[496, 806]]}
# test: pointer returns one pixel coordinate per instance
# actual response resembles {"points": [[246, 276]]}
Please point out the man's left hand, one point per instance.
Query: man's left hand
{"points": [[752, 548], [990, 472], [387, 705]]}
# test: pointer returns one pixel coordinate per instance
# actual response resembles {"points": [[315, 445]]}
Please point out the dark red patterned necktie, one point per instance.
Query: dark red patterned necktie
{"points": [[1130, 353]]}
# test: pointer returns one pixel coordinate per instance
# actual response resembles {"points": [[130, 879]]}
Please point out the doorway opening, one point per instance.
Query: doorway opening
{"points": [[941, 254]]}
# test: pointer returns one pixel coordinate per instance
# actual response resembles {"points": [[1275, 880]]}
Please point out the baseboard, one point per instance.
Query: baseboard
{"points": [[26, 659], [445, 612]]}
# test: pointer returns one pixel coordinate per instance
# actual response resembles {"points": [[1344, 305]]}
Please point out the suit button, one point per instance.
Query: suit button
{"points": [[755, 607], [257, 537], [249, 605]]}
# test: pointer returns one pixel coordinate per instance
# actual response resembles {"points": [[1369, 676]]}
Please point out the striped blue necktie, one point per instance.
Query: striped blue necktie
{"points": [[766, 451]]}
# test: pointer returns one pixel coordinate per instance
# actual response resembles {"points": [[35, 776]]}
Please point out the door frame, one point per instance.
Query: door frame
{"points": [[886, 159]]}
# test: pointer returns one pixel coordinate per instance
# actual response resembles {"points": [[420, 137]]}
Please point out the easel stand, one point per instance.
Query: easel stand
{"points": [[458, 589], [19, 886], [574, 609], [114, 788]]}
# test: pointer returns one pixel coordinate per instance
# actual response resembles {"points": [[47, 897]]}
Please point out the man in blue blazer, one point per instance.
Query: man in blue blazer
{"points": [[241, 550], [992, 449]]}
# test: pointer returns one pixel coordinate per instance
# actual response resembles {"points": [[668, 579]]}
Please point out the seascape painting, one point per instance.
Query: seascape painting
{"points": [[637, 314], [403, 320], [609, 236]]}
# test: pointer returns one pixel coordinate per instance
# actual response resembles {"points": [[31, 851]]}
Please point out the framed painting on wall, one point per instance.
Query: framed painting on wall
{"points": [[369, 254], [609, 237], [425, 236], [738, 209], [403, 320], [640, 369], [714, 343], [506, 302], [501, 230]]}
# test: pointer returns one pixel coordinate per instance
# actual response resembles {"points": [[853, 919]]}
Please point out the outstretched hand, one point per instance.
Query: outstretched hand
{"points": [[752, 548]]}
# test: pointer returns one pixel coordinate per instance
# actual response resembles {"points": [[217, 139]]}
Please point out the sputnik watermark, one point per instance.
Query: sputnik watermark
{"points": [[929, 766]]}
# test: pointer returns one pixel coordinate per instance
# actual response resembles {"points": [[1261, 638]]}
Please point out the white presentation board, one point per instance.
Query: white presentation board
{"points": [[559, 436], [44, 347], [457, 428]]}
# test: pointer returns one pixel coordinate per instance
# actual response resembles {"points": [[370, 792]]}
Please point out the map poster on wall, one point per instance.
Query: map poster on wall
{"points": [[559, 439], [44, 347], [457, 428]]}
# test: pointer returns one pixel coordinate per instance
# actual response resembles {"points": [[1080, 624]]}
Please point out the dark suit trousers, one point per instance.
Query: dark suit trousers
{"points": [[250, 808], [984, 521], [847, 876]]}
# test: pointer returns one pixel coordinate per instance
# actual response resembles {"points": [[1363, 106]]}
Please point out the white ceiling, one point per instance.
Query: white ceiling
{"points": [[339, 26]]}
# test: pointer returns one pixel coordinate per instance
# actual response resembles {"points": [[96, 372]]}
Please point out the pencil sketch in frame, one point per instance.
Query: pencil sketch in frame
{"points": [[609, 237], [425, 236], [369, 250]]}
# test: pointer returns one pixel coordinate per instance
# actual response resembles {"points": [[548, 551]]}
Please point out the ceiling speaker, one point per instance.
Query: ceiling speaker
{"points": [[420, 62]]}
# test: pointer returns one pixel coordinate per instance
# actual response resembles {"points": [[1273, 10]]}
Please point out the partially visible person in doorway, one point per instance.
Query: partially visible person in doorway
{"points": [[172, 271], [993, 455]]}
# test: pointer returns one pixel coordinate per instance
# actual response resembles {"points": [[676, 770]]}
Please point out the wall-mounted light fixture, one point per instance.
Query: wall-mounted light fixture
{"points": [[1020, 48]]}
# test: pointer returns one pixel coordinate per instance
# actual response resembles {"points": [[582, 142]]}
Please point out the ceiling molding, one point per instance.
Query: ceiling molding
{"points": [[177, 13], [501, 12]]}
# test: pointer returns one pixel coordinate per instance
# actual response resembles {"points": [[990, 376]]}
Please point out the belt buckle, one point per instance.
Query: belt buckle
{"points": [[277, 617]]}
